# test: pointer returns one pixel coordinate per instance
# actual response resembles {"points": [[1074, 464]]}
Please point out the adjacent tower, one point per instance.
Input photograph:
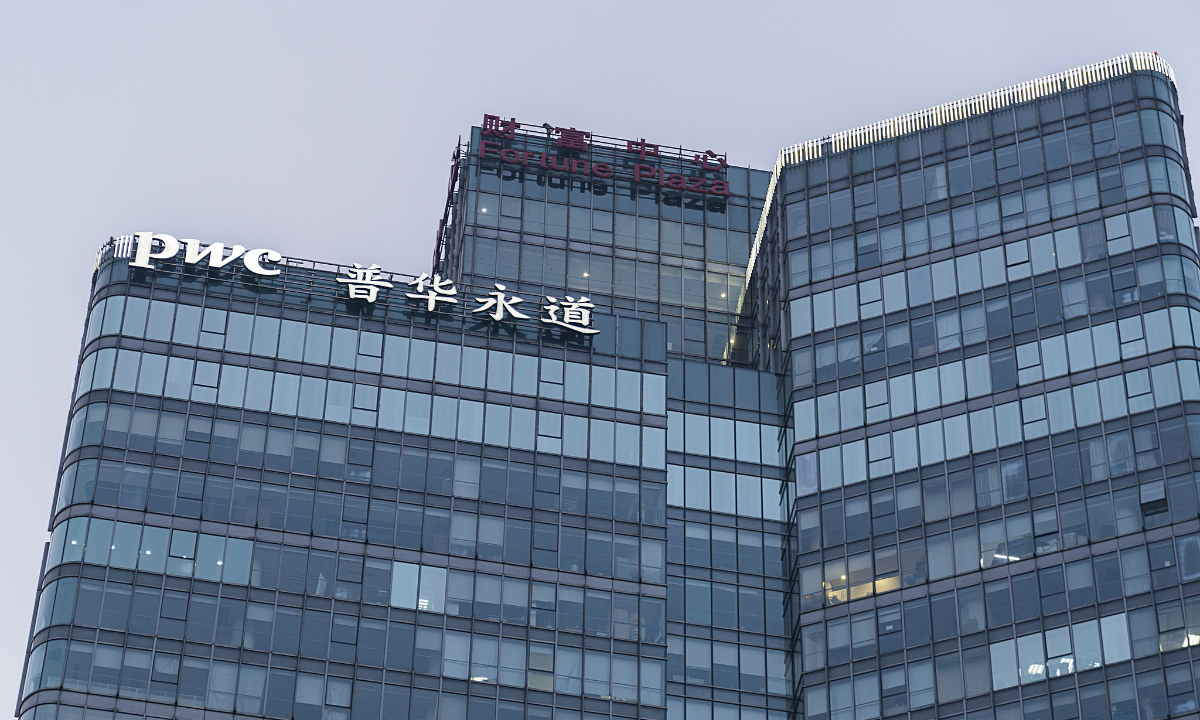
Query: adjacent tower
{"points": [[990, 330]]}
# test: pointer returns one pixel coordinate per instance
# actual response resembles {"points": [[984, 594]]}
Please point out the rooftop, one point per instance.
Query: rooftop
{"points": [[975, 105], [946, 113]]}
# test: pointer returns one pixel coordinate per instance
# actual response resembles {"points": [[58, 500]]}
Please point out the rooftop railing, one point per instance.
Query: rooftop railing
{"points": [[977, 105]]}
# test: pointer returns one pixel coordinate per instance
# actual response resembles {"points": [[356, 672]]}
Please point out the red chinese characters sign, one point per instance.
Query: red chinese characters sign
{"points": [[578, 140]]}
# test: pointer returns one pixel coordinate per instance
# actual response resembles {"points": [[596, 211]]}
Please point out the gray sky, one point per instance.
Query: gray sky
{"points": [[324, 130]]}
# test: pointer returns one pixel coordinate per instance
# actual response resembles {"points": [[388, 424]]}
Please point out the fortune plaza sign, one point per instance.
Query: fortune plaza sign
{"points": [[571, 142]]}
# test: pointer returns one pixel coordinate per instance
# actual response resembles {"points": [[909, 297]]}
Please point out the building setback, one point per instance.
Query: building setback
{"points": [[904, 427]]}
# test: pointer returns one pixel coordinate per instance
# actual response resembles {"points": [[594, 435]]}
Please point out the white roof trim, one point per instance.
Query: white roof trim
{"points": [[978, 104]]}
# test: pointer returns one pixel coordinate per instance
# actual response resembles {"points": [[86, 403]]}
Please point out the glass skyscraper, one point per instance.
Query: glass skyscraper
{"points": [[903, 427]]}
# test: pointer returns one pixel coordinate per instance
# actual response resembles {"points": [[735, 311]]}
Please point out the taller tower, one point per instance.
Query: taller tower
{"points": [[992, 309]]}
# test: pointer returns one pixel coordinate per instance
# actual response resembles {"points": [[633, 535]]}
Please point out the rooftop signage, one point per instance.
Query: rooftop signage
{"points": [[364, 283], [214, 254], [572, 143]]}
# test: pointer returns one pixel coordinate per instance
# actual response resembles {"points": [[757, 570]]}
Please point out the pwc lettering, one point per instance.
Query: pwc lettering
{"points": [[194, 255], [572, 139]]}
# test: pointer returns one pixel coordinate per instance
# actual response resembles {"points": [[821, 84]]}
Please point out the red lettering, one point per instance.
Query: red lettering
{"points": [[641, 172], [488, 146], [644, 171]]}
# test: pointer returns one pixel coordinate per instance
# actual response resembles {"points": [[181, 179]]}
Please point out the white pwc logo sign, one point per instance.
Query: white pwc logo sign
{"points": [[194, 254]]}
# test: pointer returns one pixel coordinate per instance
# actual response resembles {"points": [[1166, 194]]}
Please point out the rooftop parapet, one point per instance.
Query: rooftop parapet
{"points": [[976, 105]]}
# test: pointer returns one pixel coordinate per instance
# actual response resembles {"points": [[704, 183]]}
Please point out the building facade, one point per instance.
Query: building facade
{"points": [[990, 329], [902, 428]]}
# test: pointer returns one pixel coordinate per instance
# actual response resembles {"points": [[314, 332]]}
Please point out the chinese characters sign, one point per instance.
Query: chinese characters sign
{"points": [[433, 290], [495, 130], [364, 283], [576, 314], [572, 314]]}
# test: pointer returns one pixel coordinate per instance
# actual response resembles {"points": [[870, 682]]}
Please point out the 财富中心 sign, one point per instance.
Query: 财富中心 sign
{"points": [[572, 140]]}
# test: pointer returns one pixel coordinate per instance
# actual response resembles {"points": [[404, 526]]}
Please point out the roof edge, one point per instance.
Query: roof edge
{"points": [[945, 113], [976, 105]]}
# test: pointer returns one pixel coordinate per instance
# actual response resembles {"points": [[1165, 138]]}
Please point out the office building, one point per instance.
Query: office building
{"points": [[902, 427]]}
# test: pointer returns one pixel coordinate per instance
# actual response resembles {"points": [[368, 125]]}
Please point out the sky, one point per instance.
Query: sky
{"points": [[324, 131]]}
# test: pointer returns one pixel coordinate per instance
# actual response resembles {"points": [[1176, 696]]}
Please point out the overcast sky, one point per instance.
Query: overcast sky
{"points": [[324, 131]]}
